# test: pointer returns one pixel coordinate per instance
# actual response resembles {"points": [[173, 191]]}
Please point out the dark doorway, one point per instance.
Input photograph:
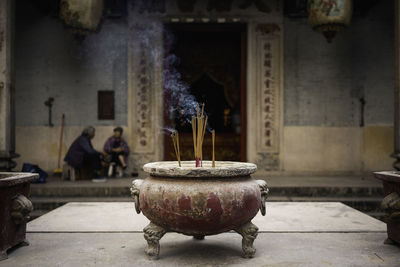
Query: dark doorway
{"points": [[211, 61]]}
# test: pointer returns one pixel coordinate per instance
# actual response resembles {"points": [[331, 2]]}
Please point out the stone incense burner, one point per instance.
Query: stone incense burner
{"points": [[199, 201]]}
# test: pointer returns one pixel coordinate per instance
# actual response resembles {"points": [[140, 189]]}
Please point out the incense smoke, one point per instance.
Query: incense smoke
{"points": [[178, 92]]}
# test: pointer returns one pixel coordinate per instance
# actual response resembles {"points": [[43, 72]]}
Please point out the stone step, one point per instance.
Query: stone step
{"points": [[37, 213], [50, 203], [320, 191], [364, 204], [380, 215], [364, 194], [95, 190], [369, 205]]}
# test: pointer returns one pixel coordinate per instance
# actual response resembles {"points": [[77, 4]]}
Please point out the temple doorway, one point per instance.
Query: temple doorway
{"points": [[210, 61]]}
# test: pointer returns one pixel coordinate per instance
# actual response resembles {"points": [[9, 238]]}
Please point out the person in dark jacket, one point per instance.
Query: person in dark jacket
{"points": [[81, 152]]}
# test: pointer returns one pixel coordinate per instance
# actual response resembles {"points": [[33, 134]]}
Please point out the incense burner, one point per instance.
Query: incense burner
{"points": [[391, 204], [15, 209], [199, 201]]}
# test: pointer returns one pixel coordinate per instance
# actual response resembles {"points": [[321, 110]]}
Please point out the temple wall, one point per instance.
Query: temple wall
{"points": [[319, 111], [50, 62], [323, 86], [324, 82], [335, 150]]}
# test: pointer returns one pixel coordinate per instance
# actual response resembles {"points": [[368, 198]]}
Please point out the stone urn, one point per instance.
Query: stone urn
{"points": [[15, 208], [391, 204], [199, 201]]}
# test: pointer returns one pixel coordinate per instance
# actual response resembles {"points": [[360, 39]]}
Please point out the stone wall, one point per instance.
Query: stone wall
{"points": [[51, 62], [323, 84]]}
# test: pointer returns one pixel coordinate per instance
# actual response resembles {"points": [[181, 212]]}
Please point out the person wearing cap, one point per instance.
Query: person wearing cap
{"points": [[117, 148]]}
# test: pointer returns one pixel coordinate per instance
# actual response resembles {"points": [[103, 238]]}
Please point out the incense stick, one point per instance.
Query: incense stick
{"points": [[202, 139], [177, 145], [175, 141], [194, 135], [198, 127], [198, 144], [213, 150], [200, 131]]}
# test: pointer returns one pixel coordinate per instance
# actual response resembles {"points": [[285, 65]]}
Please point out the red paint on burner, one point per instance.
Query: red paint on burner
{"points": [[213, 207], [184, 203]]}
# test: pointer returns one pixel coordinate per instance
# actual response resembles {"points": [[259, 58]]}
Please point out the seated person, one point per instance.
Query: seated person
{"points": [[81, 153], [117, 148]]}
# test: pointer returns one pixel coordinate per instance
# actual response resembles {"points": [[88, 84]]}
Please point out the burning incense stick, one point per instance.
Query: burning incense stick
{"points": [[198, 138], [198, 128], [202, 139], [175, 141], [213, 150], [194, 135], [177, 145]]}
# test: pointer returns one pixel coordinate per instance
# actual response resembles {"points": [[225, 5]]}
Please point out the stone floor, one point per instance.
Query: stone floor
{"points": [[292, 234]]}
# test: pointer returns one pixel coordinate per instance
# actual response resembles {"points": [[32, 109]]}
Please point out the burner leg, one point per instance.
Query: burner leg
{"points": [[153, 233], [249, 233], [3, 255], [389, 241], [24, 243], [198, 237]]}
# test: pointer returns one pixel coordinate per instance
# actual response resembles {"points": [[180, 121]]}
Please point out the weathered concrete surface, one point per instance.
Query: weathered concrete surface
{"points": [[80, 234], [280, 217], [273, 249]]}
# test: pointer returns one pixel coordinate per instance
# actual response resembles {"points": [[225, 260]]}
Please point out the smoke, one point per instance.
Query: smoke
{"points": [[177, 92], [178, 100]]}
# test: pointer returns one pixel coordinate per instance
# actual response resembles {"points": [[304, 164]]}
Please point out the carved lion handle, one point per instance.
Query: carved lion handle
{"points": [[135, 191], [264, 194], [391, 204], [21, 209]]}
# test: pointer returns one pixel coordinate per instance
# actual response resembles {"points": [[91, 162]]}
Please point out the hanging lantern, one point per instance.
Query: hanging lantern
{"points": [[329, 16], [81, 16]]}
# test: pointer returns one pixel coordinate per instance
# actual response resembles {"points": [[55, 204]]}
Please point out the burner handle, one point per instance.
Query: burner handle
{"points": [[264, 194], [135, 191], [21, 209]]}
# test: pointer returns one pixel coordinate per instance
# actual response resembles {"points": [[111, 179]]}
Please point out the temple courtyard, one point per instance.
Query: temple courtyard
{"points": [[95, 224], [302, 95], [292, 234]]}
